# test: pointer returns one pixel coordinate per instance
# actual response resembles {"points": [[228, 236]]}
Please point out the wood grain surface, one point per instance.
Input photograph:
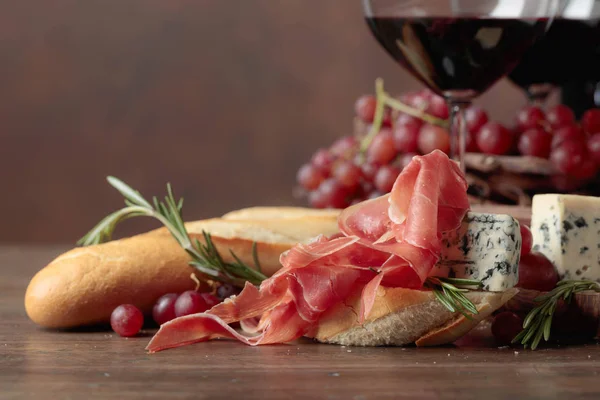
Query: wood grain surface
{"points": [[36, 363], [224, 99]]}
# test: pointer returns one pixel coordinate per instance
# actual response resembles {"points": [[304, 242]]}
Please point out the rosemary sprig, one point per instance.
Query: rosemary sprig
{"points": [[538, 322], [450, 292], [205, 256]]}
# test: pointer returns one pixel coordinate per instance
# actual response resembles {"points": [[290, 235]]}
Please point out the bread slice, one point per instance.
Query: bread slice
{"points": [[404, 316], [84, 285]]}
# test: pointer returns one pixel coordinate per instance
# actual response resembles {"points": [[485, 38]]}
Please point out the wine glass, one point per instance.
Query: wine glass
{"points": [[567, 52], [458, 48]]}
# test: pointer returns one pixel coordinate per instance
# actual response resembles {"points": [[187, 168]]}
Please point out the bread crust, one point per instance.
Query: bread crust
{"points": [[254, 213], [83, 285], [403, 316]]}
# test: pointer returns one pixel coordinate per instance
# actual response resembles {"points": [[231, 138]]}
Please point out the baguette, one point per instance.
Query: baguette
{"points": [[84, 285], [404, 316]]}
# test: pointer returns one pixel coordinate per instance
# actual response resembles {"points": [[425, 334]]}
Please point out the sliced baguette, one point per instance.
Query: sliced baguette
{"points": [[404, 316], [84, 285]]}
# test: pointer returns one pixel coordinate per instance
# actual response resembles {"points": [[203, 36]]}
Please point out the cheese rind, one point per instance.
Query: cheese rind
{"points": [[566, 229], [486, 247]]}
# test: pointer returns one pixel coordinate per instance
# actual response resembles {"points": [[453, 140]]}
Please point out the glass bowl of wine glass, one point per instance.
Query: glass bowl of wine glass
{"points": [[458, 48], [566, 57]]}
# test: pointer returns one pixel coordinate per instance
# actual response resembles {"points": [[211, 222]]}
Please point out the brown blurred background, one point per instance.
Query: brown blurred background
{"points": [[223, 98]]}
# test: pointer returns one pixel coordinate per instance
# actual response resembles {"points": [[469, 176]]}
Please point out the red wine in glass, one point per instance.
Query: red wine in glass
{"points": [[457, 57], [458, 48], [568, 52]]}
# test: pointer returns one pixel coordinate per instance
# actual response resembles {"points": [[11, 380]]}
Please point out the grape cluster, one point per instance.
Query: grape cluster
{"points": [[573, 147], [127, 320], [352, 170], [360, 167]]}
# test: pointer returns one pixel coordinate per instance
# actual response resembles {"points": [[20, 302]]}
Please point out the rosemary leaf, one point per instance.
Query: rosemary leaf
{"points": [[536, 339], [202, 268], [467, 304], [547, 326], [127, 192], [530, 317], [204, 256], [535, 325], [519, 337], [463, 282], [448, 292], [442, 299]]}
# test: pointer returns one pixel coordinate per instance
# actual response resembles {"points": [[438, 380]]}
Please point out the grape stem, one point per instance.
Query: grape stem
{"points": [[383, 100]]}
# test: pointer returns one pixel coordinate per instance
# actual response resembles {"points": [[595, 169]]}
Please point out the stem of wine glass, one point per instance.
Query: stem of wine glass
{"points": [[458, 131]]}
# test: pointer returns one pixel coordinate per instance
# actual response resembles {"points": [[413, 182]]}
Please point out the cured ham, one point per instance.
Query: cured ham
{"points": [[394, 241]]}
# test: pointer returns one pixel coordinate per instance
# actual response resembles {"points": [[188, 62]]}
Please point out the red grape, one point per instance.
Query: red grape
{"points": [[568, 157], [368, 170], [526, 240], [316, 199], [323, 160], [565, 133], [365, 108], [506, 326], [536, 272], [560, 115], [529, 117], [406, 138], [364, 190], [590, 122], [334, 193], [375, 195], [475, 118], [438, 107], [535, 142], [347, 174], [164, 308], [471, 143], [408, 97], [405, 159], [210, 300], [386, 122], [385, 178], [409, 120], [226, 290], [419, 100], [432, 137], [593, 145], [309, 176], [587, 169], [344, 147], [126, 320], [427, 93], [382, 151], [190, 302], [494, 138], [565, 183]]}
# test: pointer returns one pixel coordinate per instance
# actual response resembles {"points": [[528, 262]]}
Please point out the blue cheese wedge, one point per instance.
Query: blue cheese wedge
{"points": [[487, 247], [566, 229]]}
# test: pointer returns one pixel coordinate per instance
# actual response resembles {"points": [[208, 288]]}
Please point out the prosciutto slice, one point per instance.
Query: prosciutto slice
{"points": [[394, 240]]}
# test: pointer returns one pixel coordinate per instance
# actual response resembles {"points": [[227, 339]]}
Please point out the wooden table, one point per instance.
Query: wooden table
{"points": [[40, 364]]}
